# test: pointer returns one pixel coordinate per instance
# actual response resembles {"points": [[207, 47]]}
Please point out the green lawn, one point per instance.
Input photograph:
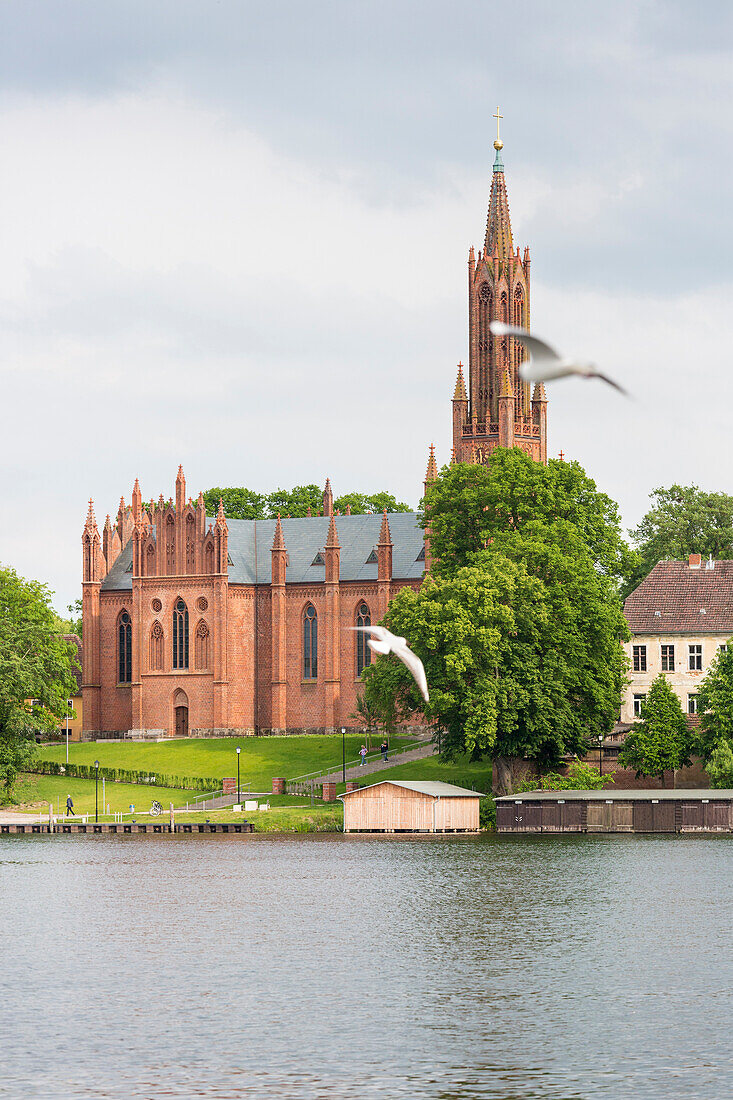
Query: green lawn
{"points": [[34, 790], [302, 818], [461, 772], [261, 757]]}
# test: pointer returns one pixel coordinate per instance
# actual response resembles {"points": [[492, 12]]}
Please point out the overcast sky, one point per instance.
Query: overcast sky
{"points": [[234, 235]]}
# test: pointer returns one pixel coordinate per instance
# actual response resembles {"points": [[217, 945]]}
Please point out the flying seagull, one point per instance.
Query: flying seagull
{"points": [[545, 363], [390, 643]]}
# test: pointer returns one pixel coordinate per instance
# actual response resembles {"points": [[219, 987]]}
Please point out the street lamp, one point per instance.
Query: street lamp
{"points": [[239, 797], [68, 710], [96, 791], [600, 753]]}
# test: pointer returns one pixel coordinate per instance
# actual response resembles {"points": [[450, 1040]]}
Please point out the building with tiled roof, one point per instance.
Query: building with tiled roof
{"points": [[679, 617]]}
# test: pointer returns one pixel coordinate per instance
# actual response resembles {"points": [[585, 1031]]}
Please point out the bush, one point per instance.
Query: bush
{"points": [[487, 814], [580, 777]]}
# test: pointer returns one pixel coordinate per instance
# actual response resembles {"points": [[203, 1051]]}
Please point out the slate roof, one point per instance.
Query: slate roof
{"points": [[675, 599], [358, 536]]}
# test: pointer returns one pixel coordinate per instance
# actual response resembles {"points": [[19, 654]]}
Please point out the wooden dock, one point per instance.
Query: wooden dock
{"points": [[72, 828]]}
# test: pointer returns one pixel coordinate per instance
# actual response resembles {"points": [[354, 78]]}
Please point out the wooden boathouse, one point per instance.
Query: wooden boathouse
{"points": [[616, 811], [393, 806]]}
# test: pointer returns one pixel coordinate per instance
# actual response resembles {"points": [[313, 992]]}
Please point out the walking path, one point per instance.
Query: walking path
{"points": [[379, 765], [9, 817]]}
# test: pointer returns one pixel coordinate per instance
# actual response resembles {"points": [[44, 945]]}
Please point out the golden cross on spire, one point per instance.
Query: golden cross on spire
{"points": [[498, 144]]}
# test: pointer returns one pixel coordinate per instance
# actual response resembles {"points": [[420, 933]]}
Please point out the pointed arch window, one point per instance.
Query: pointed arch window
{"points": [[155, 656], [124, 648], [310, 643], [180, 635], [201, 647], [363, 652]]}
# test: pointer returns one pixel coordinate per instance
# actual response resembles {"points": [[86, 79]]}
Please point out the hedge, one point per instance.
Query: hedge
{"points": [[124, 775]]}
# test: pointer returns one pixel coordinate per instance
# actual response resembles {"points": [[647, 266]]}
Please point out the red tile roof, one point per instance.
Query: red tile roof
{"points": [[677, 599]]}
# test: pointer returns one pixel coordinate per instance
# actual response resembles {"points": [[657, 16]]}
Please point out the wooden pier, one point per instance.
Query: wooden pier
{"points": [[72, 828]]}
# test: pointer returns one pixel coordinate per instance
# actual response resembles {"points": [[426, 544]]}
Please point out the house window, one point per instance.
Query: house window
{"points": [[692, 704], [639, 658], [180, 635], [638, 704], [310, 643], [363, 652], [124, 649], [723, 648], [695, 658], [667, 658]]}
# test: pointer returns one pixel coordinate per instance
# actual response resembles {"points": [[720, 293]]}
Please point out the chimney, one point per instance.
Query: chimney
{"points": [[710, 564], [695, 561]]}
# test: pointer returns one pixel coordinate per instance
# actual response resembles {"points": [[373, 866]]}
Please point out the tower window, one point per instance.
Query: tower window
{"points": [[124, 649], [180, 635], [363, 652], [310, 643]]}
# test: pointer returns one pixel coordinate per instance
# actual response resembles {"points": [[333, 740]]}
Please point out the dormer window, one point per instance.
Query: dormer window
{"points": [[372, 559], [318, 559]]}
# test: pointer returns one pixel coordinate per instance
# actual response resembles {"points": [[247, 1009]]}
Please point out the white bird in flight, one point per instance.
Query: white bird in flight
{"points": [[389, 643], [545, 363]]}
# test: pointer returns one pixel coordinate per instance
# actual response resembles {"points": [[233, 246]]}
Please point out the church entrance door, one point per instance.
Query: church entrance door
{"points": [[181, 721]]}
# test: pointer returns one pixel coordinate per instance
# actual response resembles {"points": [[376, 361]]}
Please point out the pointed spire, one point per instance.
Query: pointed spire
{"points": [[107, 523], [539, 392], [333, 540], [498, 240], [431, 474], [91, 523], [328, 499], [507, 389], [459, 394], [385, 537], [221, 522], [278, 542]]}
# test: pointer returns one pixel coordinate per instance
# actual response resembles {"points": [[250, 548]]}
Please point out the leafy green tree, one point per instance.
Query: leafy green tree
{"points": [[469, 505], [720, 766], [521, 649], [36, 676], [361, 503], [365, 714], [241, 503], [683, 520], [238, 503], [715, 705], [662, 740]]}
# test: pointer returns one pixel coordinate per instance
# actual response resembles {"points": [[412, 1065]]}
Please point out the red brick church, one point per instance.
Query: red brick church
{"points": [[208, 626]]}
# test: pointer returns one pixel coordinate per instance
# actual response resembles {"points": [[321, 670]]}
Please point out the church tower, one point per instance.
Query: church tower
{"points": [[499, 409]]}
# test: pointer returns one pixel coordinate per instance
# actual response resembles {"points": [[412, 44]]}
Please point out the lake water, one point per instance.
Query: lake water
{"points": [[352, 967]]}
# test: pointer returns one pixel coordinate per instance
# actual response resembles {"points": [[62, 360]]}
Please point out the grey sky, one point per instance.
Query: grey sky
{"points": [[235, 235]]}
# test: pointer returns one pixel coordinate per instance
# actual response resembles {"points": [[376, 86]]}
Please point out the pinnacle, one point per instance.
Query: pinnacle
{"points": [[107, 523], [385, 538], [459, 393], [278, 542], [431, 473], [333, 540], [180, 474], [91, 518], [220, 517], [539, 392], [507, 389]]}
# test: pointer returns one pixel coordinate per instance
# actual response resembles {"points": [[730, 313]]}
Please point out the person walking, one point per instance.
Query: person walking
{"points": [[383, 749], [69, 806], [362, 754]]}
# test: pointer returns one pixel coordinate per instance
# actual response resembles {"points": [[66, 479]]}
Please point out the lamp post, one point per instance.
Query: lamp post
{"points": [[239, 797], [68, 708], [96, 791], [343, 754], [600, 753]]}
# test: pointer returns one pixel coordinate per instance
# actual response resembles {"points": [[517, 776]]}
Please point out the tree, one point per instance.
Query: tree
{"points": [[662, 740], [580, 777], [469, 505], [683, 520], [521, 648], [241, 503], [36, 676], [715, 705], [365, 714], [720, 766]]}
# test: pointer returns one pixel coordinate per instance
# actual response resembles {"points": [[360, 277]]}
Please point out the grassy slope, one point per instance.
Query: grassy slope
{"points": [[461, 772], [261, 757], [34, 789]]}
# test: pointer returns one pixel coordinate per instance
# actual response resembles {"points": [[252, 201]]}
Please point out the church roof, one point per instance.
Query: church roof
{"points": [[304, 538]]}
